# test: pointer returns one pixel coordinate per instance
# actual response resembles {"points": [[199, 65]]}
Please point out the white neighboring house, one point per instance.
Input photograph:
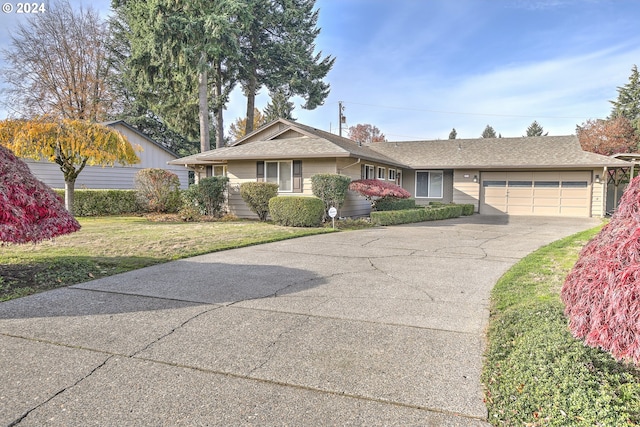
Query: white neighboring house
{"points": [[118, 177]]}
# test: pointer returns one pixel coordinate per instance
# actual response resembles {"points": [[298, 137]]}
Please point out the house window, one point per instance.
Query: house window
{"points": [[280, 173], [429, 184], [392, 174], [399, 178], [368, 172], [382, 173]]}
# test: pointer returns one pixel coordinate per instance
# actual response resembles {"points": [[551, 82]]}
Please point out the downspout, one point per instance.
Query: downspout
{"points": [[348, 166], [605, 191]]}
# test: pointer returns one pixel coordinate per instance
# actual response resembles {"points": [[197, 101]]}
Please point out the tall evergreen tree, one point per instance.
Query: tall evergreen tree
{"points": [[628, 103], [489, 132], [279, 108], [453, 134], [278, 51], [169, 117], [188, 48], [535, 129]]}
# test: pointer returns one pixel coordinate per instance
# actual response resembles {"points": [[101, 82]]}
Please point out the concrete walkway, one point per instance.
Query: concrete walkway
{"points": [[383, 326]]}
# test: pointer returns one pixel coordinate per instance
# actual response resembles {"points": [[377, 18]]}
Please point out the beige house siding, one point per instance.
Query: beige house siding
{"points": [[465, 191], [245, 171], [447, 189], [354, 205], [598, 193]]}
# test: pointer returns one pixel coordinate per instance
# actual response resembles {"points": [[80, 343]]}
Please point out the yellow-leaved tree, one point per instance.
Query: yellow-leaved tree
{"points": [[72, 144]]}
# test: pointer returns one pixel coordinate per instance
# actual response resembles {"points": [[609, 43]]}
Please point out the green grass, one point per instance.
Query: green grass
{"points": [[536, 373], [110, 245]]}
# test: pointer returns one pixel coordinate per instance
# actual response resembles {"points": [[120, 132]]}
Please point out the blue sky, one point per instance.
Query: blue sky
{"points": [[418, 68]]}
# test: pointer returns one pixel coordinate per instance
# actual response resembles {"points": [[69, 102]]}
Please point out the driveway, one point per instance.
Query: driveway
{"points": [[383, 326]]}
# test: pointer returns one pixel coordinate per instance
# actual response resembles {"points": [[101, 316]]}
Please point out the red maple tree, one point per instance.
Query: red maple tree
{"points": [[375, 188], [608, 137], [29, 210], [602, 292], [366, 133]]}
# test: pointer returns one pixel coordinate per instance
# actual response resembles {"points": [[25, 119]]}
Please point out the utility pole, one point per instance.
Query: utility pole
{"points": [[341, 118]]}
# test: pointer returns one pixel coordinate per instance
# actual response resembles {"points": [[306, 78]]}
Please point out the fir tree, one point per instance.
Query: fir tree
{"points": [[535, 129], [628, 103], [489, 132], [279, 108], [278, 51]]}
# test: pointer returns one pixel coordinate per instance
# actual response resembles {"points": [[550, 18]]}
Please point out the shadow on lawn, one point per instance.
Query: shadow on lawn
{"points": [[171, 285]]}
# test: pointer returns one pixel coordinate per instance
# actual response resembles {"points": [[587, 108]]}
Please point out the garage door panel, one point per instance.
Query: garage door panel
{"points": [[520, 210], [573, 211], [536, 193], [572, 203], [546, 210]]}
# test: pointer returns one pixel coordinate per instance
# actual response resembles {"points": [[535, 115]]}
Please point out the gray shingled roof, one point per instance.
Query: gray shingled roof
{"points": [[545, 152], [527, 152], [315, 144]]}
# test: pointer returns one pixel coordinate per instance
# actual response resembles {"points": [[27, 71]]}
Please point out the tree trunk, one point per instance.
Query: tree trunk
{"points": [[251, 103], [203, 113], [219, 105], [69, 187]]}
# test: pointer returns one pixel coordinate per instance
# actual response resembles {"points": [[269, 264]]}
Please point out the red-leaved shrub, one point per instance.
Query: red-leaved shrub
{"points": [[377, 188], [29, 210], [602, 292]]}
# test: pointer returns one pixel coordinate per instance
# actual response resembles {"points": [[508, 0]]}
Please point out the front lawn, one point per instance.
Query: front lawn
{"points": [[536, 373], [110, 245]]}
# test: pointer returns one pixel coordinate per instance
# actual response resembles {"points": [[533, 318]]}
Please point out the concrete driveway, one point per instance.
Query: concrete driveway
{"points": [[383, 326]]}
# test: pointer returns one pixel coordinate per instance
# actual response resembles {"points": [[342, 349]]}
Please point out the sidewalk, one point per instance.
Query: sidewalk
{"points": [[383, 326]]}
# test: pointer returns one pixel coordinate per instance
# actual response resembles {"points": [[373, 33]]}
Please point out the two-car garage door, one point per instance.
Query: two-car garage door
{"points": [[536, 193]]}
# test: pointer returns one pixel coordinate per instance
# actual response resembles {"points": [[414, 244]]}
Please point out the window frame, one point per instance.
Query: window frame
{"points": [[369, 171], [429, 188], [381, 173], [278, 178], [392, 174]]}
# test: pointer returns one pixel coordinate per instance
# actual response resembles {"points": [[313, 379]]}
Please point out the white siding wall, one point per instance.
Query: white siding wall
{"points": [[598, 199]]}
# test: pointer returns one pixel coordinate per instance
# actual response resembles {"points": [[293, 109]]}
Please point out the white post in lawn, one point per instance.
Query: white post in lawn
{"points": [[332, 213]]}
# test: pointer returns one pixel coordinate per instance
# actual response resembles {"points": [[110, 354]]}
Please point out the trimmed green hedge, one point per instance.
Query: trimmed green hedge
{"points": [[468, 209], [296, 211], [257, 195], [104, 202], [394, 204], [429, 213]]}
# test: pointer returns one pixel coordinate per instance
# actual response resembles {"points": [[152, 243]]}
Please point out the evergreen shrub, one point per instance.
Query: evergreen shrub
{"points": [[416, 215], [297, 211], [394, 204], [257, 195], [331, 189], [158, 190], [104, 202], [468, 209], [208, 196]]}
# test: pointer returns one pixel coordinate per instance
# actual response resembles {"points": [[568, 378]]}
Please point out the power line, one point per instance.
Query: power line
{"points": [[426, 110]]}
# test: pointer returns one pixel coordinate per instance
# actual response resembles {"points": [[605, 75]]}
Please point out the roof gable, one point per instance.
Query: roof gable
{"points": [[122, 124], [282, 139]]}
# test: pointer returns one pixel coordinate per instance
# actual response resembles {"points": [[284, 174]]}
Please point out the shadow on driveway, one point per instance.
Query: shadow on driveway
{"points": [[171, 285]]}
